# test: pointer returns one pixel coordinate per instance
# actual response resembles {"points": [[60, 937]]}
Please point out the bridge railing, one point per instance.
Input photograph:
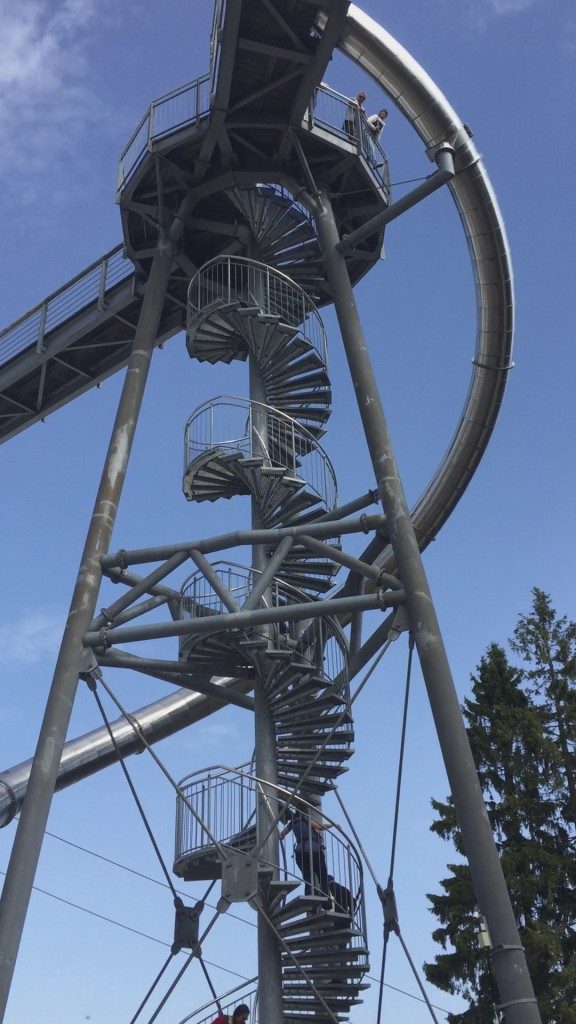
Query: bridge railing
{"points": [[89, 288]]}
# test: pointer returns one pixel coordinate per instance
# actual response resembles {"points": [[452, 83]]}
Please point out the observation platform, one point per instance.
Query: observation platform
{"points": [[260, 111]]}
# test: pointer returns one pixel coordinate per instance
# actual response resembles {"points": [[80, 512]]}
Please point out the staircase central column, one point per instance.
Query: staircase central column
{"points": [[269, 961]]}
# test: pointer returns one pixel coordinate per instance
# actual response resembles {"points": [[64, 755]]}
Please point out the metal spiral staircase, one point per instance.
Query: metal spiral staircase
{"points": [[238, 309], [322, 930]]}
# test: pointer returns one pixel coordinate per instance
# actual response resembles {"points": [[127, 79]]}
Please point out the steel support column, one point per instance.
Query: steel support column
{"points": [[28, 840], [269, 958], [508, 959]]}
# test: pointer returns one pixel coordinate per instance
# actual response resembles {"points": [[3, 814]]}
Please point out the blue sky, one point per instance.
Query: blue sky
{"points": [[75, 78]]}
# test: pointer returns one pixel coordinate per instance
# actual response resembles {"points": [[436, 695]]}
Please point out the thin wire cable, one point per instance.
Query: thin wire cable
{"points": [[151, 989], [401, 755], [170, 990], [307, 979], [294, 791], [221, 849], [193, 955], [133, 791], [382, 982], [417, 977], [161, 942], [176, 949], [209, 980], [387, 896], [138, 874], [393, 184], [302, 778], [357, 838]]}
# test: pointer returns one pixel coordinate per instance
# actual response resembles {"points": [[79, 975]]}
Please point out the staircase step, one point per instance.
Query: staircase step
{"points": [[313, 911], [316, 962], [337, 937], [312, 1004]]}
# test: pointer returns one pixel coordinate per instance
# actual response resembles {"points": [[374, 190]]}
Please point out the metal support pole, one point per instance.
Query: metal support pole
{"points": [[28, 840], [258, 617], [509, 962], [325, 528], [269, 957], [444, 157]]}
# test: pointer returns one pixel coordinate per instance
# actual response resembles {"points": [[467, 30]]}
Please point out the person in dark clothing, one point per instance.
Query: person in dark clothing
{"points": [[350, 125], [309, 846]]}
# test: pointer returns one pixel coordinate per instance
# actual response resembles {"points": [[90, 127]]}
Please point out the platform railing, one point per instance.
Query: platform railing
{"points": [[180, 108], [225, 800], [254, 429], [236, 279], [340, 115], [190, 104], [89, 288], [245, 994], [318, 641]]}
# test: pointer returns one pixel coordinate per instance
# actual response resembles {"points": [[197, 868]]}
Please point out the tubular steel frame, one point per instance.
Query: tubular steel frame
{"points": [[443, 133]]}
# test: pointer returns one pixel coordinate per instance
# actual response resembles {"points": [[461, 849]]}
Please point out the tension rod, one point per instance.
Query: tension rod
{"points": [[444, 157]]}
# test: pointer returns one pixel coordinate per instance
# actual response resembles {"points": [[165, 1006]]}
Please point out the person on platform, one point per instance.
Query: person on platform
{"points": [[376, 123], [350, 125]]}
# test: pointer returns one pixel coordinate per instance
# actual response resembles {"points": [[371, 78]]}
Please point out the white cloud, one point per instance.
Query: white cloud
{"points": [[31, 639], [47, 101]]}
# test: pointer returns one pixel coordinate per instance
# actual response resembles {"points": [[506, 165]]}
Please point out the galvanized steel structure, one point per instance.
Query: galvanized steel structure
{"points": [[237, 226]]}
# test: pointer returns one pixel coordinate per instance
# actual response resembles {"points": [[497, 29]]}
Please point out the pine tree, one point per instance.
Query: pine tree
{"points": [[521, 774], [547, 646]]}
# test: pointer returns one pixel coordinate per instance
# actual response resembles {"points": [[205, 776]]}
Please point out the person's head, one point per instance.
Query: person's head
{"points": [[241, 1014], [383, 114], [361, 98]]}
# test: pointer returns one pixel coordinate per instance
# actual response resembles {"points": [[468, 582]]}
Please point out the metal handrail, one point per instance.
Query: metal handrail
{"points": [[338, 114], [174, 110], [239, 279], [89, 288], [215, 40], [232, 423], [191, 103], [244, 993]]}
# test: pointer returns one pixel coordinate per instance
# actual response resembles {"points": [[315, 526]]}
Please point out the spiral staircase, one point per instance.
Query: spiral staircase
{"points": [[240, 308]]}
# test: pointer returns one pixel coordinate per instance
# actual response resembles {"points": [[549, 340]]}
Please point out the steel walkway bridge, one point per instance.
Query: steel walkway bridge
{"points": [[251, 198]]}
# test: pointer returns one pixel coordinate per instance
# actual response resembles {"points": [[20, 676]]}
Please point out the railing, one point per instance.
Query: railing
{"points": [[215, 36], [89, 288], [341, 116], [257, 430], [318, 641], [238, 279], [244, 994], [225, 800], [190, 104], [177, 109]]}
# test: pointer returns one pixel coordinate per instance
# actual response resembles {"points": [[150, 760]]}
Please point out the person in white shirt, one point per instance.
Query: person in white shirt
{"points": [[376, 122]]}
